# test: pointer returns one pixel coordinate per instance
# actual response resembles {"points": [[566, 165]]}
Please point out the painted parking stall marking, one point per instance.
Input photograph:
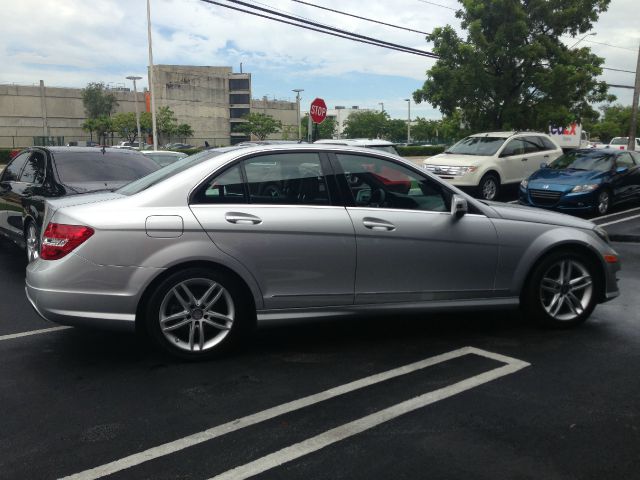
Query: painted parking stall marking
{"points": [[32, 332], [324, 439]]}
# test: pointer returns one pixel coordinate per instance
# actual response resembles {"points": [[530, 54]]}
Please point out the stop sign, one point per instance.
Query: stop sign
{"points": [[318, 110]]}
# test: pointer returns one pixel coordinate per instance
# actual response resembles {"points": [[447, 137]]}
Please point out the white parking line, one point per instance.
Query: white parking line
{"points": [[512, 366], [31, 332], [626, 219], [347, 430], [616, 214]]}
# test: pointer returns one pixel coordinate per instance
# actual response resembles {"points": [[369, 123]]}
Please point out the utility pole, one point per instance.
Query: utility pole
{"points": [[298, 90], [408, 100], [135, 96], [154, 125], [634, 108]]}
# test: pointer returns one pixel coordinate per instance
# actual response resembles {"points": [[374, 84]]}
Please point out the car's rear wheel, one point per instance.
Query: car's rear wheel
{"points": [[603, 202], [562, 290], [489, 186], [197, 313], [31, 242]]}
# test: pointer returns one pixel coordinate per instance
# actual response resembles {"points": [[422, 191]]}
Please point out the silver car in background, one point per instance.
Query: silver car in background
{"points": [[195, 253]]}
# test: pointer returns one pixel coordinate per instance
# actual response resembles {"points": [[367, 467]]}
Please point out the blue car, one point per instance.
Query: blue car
{"points": [[586, 180]]}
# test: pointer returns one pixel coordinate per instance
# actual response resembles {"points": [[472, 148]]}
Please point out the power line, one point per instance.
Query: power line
{"points": [[610, 45], [617, 70], [310, 25], [439, 5], [359, 17]]}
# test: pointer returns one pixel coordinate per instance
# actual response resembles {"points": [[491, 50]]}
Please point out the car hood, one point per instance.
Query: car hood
{"points": [[455, 159], [511, 211], [566, 177]]}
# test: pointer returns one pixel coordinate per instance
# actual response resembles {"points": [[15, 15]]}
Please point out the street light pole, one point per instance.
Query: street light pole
{"points": [[298, 90], [634, 108], [135, 93], [408, 100], [381, 106], [154, 127]]}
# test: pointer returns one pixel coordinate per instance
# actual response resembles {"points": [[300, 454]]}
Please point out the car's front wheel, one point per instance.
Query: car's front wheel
{"points": [[489, 186], [603, 202], [197, 313], [562, 290]]}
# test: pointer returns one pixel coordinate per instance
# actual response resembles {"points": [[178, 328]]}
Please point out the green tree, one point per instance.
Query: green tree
{"points": [[512, 71], [326, 129], [166, 123], [260, 125], [184, 131], [366, 124], [89, 126], [396, 131], [104, 127], [125, 125], [98, 101], [615, 122]]}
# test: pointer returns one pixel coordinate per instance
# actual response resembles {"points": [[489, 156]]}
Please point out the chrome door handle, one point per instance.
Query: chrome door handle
{"points": [[242, 218], [546, 156], [525, 159], [377, 224]]}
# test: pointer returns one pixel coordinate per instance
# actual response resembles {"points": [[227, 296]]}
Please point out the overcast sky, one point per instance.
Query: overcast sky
{"points": [[72, 42]]}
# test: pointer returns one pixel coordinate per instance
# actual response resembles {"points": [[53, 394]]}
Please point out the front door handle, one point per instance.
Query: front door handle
{"points": [[242, 218], [377, 224], [525, 159]]}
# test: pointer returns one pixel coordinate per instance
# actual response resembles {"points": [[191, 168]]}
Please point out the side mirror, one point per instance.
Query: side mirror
{"points": [[621, 169], [543, 165], [459, 206]]}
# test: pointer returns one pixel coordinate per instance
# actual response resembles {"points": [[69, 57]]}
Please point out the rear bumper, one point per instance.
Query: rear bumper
{"points": [[74, 291]]}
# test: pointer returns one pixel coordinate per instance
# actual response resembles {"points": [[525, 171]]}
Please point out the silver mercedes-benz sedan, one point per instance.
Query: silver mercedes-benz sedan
{"points": [[197, 252]]}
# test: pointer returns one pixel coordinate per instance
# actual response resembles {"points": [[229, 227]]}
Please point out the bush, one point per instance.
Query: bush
{"points": [[7, 154], [420, 150]]}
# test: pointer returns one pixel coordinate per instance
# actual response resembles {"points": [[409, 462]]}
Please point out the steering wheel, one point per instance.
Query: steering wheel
{"points": [[377, 198]]}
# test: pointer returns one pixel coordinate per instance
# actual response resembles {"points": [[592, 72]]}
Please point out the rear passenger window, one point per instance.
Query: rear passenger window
{"points": [[531, 144], [12, 171], [625, 160], [34, 169], [286, 179], [225, 188]]}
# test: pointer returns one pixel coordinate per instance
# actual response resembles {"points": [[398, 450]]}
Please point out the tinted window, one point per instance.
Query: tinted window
{"points": [[224, 188], [531, 144], [636, 157], [12, 171], [34, 169], [378, 183], [625, 160], [238, 112], [548, 144], [239, 98], [239, 84], [620, 141], [164, 159], [95, 166], [514, 147], [580, 160], [477, 146], [286, 179]]}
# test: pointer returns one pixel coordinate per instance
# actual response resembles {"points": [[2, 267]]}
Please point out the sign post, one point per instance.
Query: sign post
{"points": [[317, 114]]}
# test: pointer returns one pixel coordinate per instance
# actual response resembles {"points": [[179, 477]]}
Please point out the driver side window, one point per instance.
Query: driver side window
{"points": [[378, 183], [514, 147]]}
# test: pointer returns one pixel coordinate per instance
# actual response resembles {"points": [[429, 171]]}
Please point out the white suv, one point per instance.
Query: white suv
{"points": [[485, 161]]}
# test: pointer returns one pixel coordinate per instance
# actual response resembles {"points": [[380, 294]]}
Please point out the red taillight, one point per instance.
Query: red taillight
{"points": [[59, 239]]}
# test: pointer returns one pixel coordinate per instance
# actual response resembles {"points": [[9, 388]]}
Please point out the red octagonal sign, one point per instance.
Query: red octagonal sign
{"points": [[318, 110]]}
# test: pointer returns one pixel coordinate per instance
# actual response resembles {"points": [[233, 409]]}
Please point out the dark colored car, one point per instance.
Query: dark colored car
{"points": [[584, 180], [39, 173]]}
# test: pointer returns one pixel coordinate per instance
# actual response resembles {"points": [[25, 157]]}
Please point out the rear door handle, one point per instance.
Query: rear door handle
{"points": [[377, 224], [240, 218]]}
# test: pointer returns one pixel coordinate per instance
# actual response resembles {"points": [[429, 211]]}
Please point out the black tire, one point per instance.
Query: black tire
{"points": [[489, 186], [31, 241], [193, 317], [539, 292], [603, 202]]}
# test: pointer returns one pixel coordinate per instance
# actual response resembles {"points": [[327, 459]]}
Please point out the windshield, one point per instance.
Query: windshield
{"points": [[170, 170], [593, 160], [620, 141], [486, 146], [384, 148], [98, 167]]}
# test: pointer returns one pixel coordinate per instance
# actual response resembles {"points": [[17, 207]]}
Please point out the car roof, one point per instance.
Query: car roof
{"points": [[54, 149], [162, 152], [610, 151], [505, 134], [356, 142]]}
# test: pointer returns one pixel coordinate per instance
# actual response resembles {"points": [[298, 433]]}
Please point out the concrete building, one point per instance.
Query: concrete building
{"points": [[212, 100]]}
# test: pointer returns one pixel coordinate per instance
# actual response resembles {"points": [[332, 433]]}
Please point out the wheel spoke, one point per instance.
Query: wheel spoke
{"points": [[192, 332], [214, 300], [175, 316], [550, 285], [201, 335], [175, 326], [580, 283], [574, 303], [183, 302], [203, 299], [219, 316], [192, 299], [216, 325], [556, 304]]}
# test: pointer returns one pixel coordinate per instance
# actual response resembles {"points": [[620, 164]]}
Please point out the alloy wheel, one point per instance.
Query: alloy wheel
{"points": [[196, 314], [603, 202], [32, 243], [489, 189], [566, 289]]}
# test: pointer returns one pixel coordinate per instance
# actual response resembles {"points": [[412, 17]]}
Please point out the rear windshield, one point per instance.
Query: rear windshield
{"points": [[620, 141], [171, 170], [111, 166], [592, 160], [477, 146]]}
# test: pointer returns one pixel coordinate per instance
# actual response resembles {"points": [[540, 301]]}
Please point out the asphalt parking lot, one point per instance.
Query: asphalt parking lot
{"points": [[448, 396]]}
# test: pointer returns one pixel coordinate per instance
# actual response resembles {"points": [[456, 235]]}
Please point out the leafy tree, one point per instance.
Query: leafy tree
{"points": [[396, 131], [615, 122], [166, 122], [512, 71], [89, 126], [260, 125], [326, 129], [366, 124], [125, 125], [184, 131], [98, 101], [104, 127]]}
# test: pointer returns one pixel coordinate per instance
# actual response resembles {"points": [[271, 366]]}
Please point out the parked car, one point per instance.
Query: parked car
{"points": [[39, 173], [483, 163], [621, 143], [131, 145], [375, 143], [163, 157], [178, 146], [194, 253], [584, 180]]}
